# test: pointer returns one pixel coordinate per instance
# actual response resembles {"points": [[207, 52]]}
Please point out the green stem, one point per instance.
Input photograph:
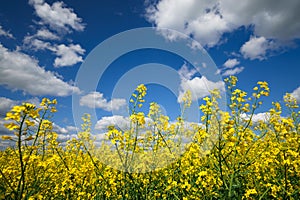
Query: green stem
{"points": [[230, 185], [135, 143], [7, 182], [21, 184], [261, 197]]}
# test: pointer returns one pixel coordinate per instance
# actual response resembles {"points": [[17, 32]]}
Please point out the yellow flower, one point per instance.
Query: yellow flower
{"points": [[18, 109], [6, 137], [250, 192], [29, 123], [138, 118], [11, 126], [53, 110], [187, 98]]}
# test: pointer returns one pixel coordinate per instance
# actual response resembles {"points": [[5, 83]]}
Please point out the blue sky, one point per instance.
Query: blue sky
{"points": [[43, 44]]}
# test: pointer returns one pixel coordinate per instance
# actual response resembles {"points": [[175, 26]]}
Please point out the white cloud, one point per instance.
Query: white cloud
{"points": [[67, 55], [34, 100], [64, 130], [63, 138], [207, 21], [59, 130], [39, 44], [296, 94], [57, 15], [72, 128], [99, 138], [3, 129], [231, 72], [64, 134], [116, 120], [230, 63], [37, 41], [97, 100], [265, 116], [271, 20], [19, 71], [56, 21], [5, 105], [199, 87], [185, 73], [207, 27], [46, 34], [5, 33], [229, 68], [256, 48], [218, 72], [36, 44]]}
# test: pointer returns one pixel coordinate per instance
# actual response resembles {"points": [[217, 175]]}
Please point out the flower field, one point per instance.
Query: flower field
{"points": [[230, 155]]}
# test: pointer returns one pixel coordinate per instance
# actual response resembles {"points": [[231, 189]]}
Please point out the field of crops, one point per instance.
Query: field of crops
{"points": [[230, 156]]}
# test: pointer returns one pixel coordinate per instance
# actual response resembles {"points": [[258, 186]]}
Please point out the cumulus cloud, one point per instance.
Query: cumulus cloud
{"points": [[185, 73], [264, 116], [67, 55], [37, 40], [116, 120], [214, 25], [256, 48], [46, 34], [97, 100], [231, 72], [194, 19], [63, 138], [5, 33], [230, 68], [57, 16], [207, 21], [18, 71], [5, 131], [72, 128], [199, 87], [230, 63], [68, 130], [40, 40], [56, 21], [34, 43], [61, 20], [64, 133], [296, 94], [270, 20], [5, 105]]}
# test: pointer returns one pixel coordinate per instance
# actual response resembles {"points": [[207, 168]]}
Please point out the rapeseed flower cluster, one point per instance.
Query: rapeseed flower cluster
{"points": [[230, 155]]}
